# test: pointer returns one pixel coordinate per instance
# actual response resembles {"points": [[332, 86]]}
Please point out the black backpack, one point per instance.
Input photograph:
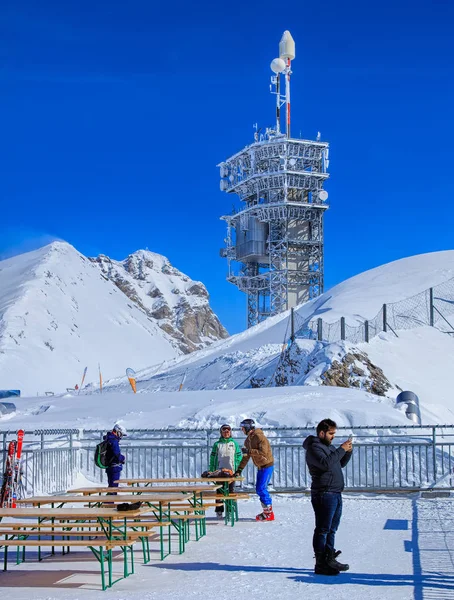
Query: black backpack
{"points": [[103, 455]]}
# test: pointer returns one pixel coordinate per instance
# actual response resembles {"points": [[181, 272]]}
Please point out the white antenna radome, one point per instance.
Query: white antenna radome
{"points": [[278, 65]]}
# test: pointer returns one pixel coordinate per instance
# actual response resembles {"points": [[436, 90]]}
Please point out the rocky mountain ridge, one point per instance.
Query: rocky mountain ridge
{"points": [[179, 305]]}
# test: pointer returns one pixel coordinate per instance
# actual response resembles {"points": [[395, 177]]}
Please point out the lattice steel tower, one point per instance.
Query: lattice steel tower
{"points": [[277, 234]]}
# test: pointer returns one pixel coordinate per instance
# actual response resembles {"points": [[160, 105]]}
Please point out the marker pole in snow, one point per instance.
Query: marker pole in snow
{"points": [[100, 378], [83, 379], [182, 382]]}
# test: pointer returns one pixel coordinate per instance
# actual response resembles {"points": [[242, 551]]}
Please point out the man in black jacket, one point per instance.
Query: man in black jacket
{"points": [[325, 463]]}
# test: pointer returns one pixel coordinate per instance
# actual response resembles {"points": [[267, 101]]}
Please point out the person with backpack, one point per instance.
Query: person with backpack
{"points": [[114, 458], [325, 464], [257, 447], [225, 454]]}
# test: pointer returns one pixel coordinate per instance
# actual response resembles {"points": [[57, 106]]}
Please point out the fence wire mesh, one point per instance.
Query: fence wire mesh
{"points": [[434, 307]]}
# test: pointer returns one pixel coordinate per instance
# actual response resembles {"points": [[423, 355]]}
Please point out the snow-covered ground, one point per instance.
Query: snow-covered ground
{"points": [[288, 406], [397, 548]]}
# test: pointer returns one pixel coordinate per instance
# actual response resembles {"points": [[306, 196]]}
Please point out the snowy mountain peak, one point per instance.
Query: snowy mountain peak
{"points": [[60, 312], [178, 304]]}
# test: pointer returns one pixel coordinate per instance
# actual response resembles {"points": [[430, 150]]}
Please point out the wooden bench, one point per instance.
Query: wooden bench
{"points": [[105, 543], [68, 526], [136, 530], [102, 549]]}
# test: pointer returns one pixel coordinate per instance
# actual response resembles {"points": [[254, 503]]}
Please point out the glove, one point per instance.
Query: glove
{"points": [[244, 450], [237, 474]]}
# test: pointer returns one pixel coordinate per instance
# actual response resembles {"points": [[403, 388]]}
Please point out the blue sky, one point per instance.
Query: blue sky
{"points": [[114, 116]]}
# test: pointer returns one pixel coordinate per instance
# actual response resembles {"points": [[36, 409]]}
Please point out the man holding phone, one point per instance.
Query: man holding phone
{"points": [[325, 464]]}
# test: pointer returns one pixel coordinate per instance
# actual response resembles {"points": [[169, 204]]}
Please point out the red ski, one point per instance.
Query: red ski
{"points": [[17, 473]]}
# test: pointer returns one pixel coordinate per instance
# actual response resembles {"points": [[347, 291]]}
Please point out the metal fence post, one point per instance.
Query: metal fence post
{"points": [[319, 329], [434, 447], [385, 327], [431, 306], [41, 455], [366, 331], [71, 449], [342, 328], [207, 433]]}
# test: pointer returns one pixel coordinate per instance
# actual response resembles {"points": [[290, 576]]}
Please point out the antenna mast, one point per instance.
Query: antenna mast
{"points": [[282, 66], [287, 54]]}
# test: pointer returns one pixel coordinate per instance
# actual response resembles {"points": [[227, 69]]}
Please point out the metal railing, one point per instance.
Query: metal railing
{"points": [[398, 458]]}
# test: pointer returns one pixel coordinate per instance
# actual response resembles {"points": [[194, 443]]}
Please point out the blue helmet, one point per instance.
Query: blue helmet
{"points": [[247, 424]]}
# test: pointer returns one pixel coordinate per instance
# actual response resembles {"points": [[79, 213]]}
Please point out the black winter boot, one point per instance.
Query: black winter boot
{"points": [[322, 567], [333, 562]]}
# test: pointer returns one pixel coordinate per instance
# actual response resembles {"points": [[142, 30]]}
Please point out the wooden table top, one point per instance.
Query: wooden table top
{"points": [[158, 489], [72, 513], [182, 480], [150, 498]]}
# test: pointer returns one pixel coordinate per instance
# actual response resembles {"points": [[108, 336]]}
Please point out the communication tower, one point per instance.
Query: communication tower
{"points": [[277, 234]]}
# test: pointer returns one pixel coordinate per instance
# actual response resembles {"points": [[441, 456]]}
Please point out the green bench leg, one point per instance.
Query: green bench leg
{"points": [[103, 575]]}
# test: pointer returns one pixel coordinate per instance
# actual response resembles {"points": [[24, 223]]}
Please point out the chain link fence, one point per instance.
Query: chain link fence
{"points": [[432, 307]]}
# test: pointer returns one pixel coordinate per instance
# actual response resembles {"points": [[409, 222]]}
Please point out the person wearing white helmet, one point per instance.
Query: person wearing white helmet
{"points": [[115, 458]]}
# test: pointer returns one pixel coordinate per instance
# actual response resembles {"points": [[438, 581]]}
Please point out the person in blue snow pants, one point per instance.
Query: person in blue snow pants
{"points": [[257, 447], [115, 457], [113, 475], [261, 485]]}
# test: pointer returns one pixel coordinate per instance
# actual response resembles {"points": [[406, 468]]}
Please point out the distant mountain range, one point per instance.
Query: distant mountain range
{"points": [[61, 312]]}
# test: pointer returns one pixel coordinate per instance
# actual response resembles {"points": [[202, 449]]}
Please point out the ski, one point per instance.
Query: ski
{"points": [[5, 496], [17, 473]]}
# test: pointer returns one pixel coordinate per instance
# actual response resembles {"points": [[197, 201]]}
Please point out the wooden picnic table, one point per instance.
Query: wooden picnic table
{"points": [[174, 509], [114, 526], [230, 504], [231, 507], [165, 510], [161, 489]]}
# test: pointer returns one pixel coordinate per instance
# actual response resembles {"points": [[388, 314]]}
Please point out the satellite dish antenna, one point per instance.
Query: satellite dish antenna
{"points": [[323, 195], [278, 65]]}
